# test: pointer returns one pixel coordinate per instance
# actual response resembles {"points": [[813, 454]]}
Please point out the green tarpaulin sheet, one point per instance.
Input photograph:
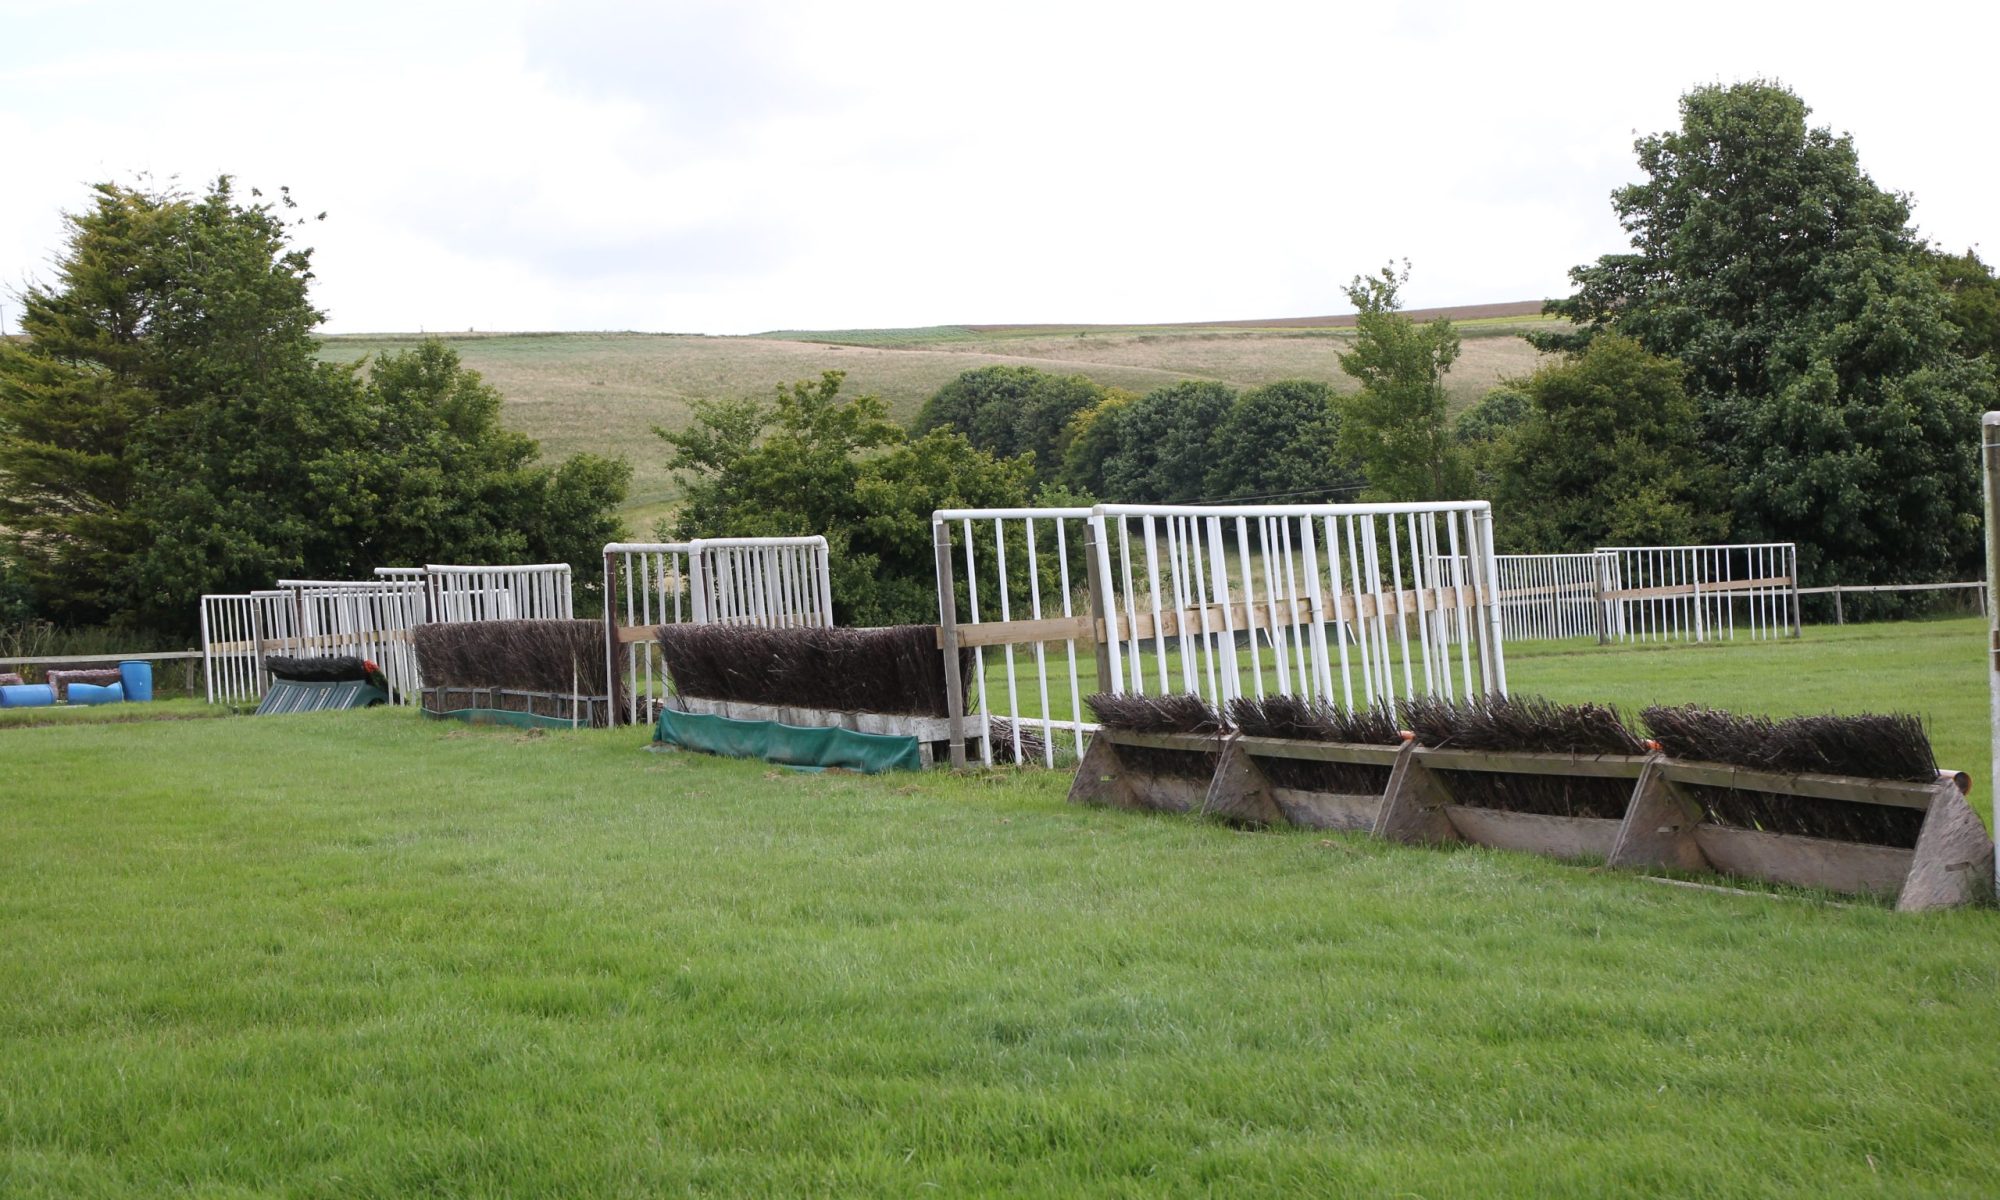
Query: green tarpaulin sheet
{"points": [[788, 745]]}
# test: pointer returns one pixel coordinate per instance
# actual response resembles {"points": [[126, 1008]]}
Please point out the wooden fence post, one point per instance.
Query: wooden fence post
{"points": [[954, 688]]}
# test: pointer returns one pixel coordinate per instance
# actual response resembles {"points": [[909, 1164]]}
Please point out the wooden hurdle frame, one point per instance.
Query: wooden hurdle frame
{"points": [[1661, 827]]}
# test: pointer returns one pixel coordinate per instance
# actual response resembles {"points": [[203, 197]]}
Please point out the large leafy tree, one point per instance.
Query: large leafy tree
{"points": [[1814, 333], [1008, 410], [1163, 443], [1282, 440], [1972, 302], [1608, 453], [168, 429], [1398, 426], [814, 461]]}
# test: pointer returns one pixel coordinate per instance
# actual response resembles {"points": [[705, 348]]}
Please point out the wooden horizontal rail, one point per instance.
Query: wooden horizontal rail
{"points": [[1824, 787], [1202, 743], [1342, 752], [1889, 587], [1589, 766], [57, 660], [1239, 617], [1674, 590]]}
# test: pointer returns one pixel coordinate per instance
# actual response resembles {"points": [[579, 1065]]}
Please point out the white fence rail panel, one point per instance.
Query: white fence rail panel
{"points": [[369, 619], [1702, 593], [536, 592], [1030, 565], [1548, 596], [1355, 604], [779, 583]]}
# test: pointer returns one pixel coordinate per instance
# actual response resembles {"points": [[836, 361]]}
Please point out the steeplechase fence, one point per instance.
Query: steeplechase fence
{"points": [[777, 582], [368, 618], [1358, 604]]}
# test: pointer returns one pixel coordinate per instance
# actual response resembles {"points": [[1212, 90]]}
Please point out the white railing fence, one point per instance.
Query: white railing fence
{"points": [[539, 592], [1356, 604], [778, 583], [236, 631], [1551, 595], [1701, 593], [771, 582], [367, 618], [1031, 566]]}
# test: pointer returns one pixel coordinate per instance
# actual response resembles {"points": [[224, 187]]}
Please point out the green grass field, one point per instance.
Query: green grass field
{"points": [[604, 392], [367, 955]]}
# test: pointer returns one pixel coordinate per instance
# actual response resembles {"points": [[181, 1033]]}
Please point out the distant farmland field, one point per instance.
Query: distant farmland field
{"points": [[604, 392]]}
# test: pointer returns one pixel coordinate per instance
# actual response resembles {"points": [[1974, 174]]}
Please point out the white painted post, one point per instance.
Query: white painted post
{"points": [[1990, 460]]}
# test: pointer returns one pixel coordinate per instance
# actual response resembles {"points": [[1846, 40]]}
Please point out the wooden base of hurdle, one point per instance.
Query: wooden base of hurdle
{"points": [[1426, 801]]}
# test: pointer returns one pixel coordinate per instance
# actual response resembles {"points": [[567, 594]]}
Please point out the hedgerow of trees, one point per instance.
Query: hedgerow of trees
{"points": [[167, 429]]}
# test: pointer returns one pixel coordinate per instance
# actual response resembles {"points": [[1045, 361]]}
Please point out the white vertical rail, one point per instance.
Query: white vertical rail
{"points": [[1357, 604], [1004, 555], [1701, 593]]}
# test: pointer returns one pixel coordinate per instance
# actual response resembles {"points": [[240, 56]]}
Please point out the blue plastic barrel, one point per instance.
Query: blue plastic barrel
{"points": [[90, 693], [137, 680], [26, 695]]}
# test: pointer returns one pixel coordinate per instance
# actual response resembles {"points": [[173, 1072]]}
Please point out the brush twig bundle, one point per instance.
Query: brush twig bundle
{"points": [[555, 657], [328, 668], [1001, 731], [1520, 723], [1299, 719], [1868, 745], [892, 670], [1527, 724], [1175, 713], [1306, 720]]}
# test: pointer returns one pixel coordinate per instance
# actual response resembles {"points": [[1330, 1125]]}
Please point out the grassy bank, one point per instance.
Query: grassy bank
{"points": [[362, 954]]}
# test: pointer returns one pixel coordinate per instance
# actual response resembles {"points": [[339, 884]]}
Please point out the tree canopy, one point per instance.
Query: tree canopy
{"points": [[1398, 426], [167, 428], [1608, 453], [1282, 440], [1011, 410], [815, 461], [1813, 330]]}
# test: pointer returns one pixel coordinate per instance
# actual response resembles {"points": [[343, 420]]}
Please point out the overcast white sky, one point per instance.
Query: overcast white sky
{"points": [[738, 166]]}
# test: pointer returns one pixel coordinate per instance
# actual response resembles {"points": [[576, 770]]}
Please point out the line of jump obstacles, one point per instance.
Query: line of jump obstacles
{"points": [[1648, 811]]}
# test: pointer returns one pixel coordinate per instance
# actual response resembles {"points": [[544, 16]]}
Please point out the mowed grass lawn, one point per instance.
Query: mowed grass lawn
{"points": [[366, 955]]}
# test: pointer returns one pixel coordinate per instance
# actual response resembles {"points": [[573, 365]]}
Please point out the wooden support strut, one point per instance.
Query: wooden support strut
{"points": [[948, 644]]}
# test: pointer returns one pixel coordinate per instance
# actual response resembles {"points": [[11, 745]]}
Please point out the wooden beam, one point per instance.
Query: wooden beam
{"points": [[1413, 806], [1239, 792], [1671, 591], [1952, 865], [1824, 787], [1340, 752], [1201, 743], [1805, 861], [1658, 830], [1101, 778], [1512, 762]]}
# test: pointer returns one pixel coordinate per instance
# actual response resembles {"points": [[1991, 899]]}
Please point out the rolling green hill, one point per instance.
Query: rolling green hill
{"points": [[604, 392]]}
